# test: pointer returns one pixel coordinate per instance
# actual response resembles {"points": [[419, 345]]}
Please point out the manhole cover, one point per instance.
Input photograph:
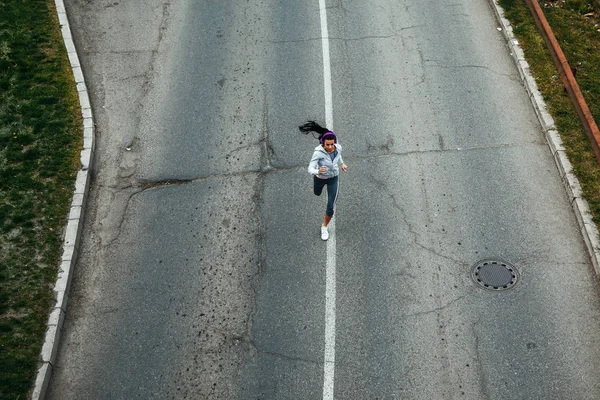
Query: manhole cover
{"points": [[495, 275]]}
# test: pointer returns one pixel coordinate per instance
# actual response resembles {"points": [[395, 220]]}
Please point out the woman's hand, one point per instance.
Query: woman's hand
{"points": [[322, 170], [344, 167]]}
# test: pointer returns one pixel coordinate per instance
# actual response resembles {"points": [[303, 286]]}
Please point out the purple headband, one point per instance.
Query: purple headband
{"points": [[328, 135]]}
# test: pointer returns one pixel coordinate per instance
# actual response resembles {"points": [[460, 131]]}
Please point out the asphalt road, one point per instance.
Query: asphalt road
{"points": [[202, 273]]}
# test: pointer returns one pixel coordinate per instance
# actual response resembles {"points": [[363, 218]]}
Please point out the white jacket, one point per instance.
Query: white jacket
{"points": [[321, 157]]}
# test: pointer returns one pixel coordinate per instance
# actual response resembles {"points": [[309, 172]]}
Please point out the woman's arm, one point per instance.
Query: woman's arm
{"points": [[341, 160], [313, 166]]}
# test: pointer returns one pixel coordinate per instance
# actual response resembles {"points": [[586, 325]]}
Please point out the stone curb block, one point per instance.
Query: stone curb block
{"points": [[62, 298], [582, 211], [78, 74], [523, 67], [57, 317], [77, 200], [60, 7], [63, 284], [593, 237], [84, 100], [73, 59], [76, 212], [62, 18], [42, 381], [69, 253], [75, 220], [81, 183], [71, 235], [86, 112], [50, 344], [554, 141], [88, 138], [71, 50], [572, 186], [55, 322], [88, 123], [86, 159]]}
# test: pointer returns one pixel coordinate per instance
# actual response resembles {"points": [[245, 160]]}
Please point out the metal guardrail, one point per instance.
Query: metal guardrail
{"points": [[567, 77]]}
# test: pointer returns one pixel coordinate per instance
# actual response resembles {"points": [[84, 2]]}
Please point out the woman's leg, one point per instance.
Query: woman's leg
{"points": [[318, 185], [332, 194]]}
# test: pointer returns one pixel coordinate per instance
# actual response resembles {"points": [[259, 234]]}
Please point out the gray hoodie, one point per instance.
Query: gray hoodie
{"points": [[321, 157]]}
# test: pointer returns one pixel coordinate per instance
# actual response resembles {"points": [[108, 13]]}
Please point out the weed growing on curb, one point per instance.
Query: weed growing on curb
{"points": [[40, 139]]}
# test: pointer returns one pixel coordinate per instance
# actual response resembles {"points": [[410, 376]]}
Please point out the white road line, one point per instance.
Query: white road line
{"points": [[329, 361], [326, 66]]}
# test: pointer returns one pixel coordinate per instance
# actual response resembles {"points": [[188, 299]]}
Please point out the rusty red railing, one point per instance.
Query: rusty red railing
{"points": [[567, 77]]}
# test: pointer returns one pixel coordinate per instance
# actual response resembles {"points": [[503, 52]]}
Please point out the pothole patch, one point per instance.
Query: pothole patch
{"points": [[495, 275]]}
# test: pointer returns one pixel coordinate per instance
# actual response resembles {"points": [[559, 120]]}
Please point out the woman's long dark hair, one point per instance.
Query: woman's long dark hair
{"points": [[312, 126]]}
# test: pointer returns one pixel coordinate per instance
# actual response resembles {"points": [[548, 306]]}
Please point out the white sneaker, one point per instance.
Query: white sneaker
{"points": [[324, 233]]}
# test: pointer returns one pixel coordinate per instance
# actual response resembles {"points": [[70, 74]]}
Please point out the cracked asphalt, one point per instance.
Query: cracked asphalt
{"points": [[202, 272]]}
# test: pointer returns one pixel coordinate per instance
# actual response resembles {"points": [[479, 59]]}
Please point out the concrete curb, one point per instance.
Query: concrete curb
{"points": [[570, 181], [75, 219]]}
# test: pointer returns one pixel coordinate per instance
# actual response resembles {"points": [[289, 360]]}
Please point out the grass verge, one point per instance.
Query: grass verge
{"points": [[576, 25], [40, 140]]}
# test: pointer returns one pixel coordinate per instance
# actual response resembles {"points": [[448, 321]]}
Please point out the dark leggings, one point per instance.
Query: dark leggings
{"points": [[332, 192]]}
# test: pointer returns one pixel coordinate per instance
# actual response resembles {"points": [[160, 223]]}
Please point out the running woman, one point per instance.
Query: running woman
{"points": [[325, 168]]}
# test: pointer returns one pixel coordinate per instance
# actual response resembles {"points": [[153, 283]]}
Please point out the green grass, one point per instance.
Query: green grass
{"points": [[40, 138], [575, 24]]}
